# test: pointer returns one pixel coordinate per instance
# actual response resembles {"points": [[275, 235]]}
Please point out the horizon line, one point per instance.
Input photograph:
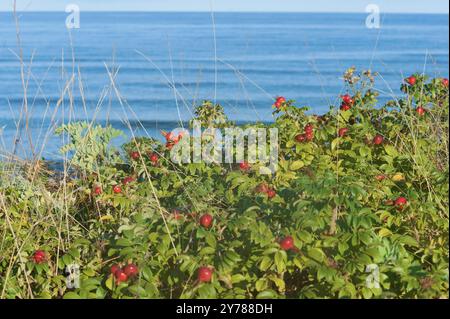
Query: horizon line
{"points": [[222, 11]]}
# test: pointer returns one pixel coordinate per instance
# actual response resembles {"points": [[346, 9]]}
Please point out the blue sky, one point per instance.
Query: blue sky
{"points": [[410, 6]]}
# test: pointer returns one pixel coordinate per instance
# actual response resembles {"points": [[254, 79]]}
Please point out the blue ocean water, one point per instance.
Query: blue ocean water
{"points": [[164, 63]]}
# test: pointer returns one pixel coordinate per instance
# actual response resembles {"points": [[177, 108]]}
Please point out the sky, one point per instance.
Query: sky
{"points": [[403, 6]]}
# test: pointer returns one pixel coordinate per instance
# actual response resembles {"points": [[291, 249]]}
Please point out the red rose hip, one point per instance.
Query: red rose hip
{"points": [[309, 136], [420, 111], [131, 270], [271, 193], [309, 128], [204, 274], [345, 107], [177, 215], [114, 268], [281, 99], [378, 140], [117, 189], [154, 158], [120, 276], [127, 180], [206, 220], [244, 166], [401, 202], [342, 131], [300, 138], [39, 257], [97, 190], [279, 102], [347, 99], [411, 80], [135, 155], [287, 243]]}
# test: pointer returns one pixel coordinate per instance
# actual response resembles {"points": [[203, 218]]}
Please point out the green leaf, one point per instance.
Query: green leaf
{"points": [[408, 240], [211, 240], [237, 278], [71, 295], [296, 165], [109, 283], [123, 242], [334, 143], [280, 261], [207, 251], [391, 150], [316, 254], [384, 232], [263, 170], [267, 294], [261, 284], [266, 262], [367, 293]]}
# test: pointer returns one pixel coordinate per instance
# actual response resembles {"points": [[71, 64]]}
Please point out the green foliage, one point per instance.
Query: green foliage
{"points": [[334, 196], [88, 144], [211, 115]]}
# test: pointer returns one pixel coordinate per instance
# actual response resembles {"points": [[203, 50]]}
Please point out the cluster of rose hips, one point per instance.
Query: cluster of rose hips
{"points": [[127, 180], [204, 274], [205, 220], [279, 102], [412, 80], [178, 215], [154, 158], [125, 273], [400, 203], [347, 102], [307, 136], [117, 189]]}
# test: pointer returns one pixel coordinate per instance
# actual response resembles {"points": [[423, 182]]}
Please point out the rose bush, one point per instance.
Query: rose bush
{"points": [[358, 188]]}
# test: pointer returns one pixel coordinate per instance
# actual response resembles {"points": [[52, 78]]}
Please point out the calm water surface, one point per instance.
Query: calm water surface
{"points": [[167, 62]]}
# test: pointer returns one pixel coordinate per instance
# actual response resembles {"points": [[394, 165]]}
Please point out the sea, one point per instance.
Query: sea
{"points": [[145, 72]]}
